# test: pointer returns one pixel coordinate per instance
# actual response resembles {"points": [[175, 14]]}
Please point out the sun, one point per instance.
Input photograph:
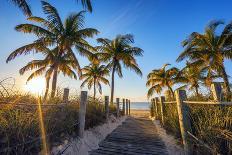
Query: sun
{"points": [[36, 86]]}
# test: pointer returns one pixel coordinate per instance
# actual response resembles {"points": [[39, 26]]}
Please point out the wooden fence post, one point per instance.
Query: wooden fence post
{"points": [[184, 120], [126, 106], [162, 100], [107, 107], [82, 112], [123, 106], [156, 107], [216, 89], [117, 102], [65, 95], [153, 107], [129, 106]]}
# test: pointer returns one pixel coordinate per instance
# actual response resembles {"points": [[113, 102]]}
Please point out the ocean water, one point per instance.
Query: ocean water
{"points": [[140, 105]]}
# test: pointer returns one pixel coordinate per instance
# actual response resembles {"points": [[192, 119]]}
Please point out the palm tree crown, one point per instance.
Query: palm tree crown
{"points": [[52, 32], [160, 78], [94, 75], [194, 76], [118, 52], [53, 62], [209, 49]]}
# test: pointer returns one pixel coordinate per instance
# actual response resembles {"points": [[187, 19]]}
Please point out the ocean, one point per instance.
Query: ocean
{"points": [[140, 105]]}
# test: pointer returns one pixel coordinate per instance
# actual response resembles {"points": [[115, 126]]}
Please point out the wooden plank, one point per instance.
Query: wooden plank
{"points": [[136, 136]]}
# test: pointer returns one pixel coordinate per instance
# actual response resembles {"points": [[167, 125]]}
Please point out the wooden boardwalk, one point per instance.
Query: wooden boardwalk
{"points": [[136, 136]]}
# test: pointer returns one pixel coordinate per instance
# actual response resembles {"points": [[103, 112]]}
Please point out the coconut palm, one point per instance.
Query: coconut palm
{"points": [[193, 75], [53, 63], [161, 78], [210, 49], [118, 52], [52, 32], [87, 5], [94, 75], [23, 5]]}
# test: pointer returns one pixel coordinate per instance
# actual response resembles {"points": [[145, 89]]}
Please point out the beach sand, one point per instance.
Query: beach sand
{"points": [[140, 113]]}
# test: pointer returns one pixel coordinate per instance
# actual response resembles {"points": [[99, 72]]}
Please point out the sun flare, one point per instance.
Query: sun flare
{"points": [[36, 86]]}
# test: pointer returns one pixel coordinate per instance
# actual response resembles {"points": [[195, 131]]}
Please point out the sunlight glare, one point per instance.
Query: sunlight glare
{"points": [[36, 86]]}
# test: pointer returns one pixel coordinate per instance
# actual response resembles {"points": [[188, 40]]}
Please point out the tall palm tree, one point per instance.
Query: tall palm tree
{"points": [[52, 32], [193, 76], [210, 49], [161, 78], [53, 63], [94, 75], [118, 52]]}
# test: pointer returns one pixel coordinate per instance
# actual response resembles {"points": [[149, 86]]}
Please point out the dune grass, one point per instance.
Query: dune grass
{"points": [[211, 124], [20, 129]]}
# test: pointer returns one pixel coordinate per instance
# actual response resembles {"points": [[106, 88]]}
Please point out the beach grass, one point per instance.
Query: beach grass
{"points": [[20, 129]]}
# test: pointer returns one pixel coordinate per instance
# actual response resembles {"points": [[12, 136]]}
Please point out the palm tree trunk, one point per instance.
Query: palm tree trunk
{"points": [[197, 91], [226, 81], [54, 81], [112, 86], [47, 88], [94, 85], [170, 88]]}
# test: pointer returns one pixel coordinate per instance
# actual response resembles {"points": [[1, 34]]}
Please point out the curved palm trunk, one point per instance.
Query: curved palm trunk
{"points": [[47, 88], [112, 87], [226, 81], [94, 86], [54, 81], [170, 88]]}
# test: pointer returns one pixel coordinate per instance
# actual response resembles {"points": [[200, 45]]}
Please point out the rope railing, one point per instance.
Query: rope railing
{"points": [[209, 103]]}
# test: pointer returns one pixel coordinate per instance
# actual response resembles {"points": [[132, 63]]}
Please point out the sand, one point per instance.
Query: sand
{"points": [[140, 113]]}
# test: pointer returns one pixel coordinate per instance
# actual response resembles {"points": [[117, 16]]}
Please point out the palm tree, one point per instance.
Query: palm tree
{"points": [[193, 76], [54, 33], [118, 52], [210, 49], [87, 5], [53, 63], [23, 5], [93, 75], [161, 78]]}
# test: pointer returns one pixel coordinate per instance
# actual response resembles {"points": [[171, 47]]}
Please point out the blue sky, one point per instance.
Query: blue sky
{"points": [[159, 26]]}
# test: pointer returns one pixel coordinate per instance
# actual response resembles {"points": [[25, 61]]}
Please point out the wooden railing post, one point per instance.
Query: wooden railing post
{"points": [[162, 100], [123, 106], [107, 107], [129, 106], [216, 89], [156, 107], [82, 112], [126, 106], [117, 102], [65, 95], [184, 120]]}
